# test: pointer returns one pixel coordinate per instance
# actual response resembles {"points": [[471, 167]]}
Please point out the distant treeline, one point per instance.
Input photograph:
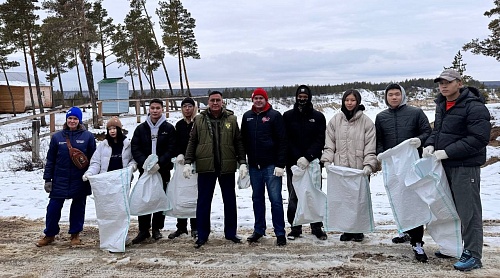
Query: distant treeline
{"points": [[410, 85]]}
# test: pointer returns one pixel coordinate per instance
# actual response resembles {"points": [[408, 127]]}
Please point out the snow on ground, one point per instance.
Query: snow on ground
{"points": [[22, 193]]}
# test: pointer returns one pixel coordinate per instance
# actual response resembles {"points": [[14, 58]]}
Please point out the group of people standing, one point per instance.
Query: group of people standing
{"points": [[212, 144]]}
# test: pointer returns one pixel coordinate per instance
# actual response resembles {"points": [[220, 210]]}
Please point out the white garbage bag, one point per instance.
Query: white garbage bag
{"points": [[182, 194], [148, 196], [111, 190], [311, 205], [349, 201], [428, 179], [408, 209]]}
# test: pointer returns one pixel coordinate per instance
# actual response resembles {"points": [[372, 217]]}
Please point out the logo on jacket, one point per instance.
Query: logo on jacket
{"points": [[266, 119], [312, 120], [228, 125], [80, 141]]}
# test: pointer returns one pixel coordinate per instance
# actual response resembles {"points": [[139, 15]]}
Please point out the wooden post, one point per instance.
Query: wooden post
{"points": [[99, 114], [52, 123], [167, 109], [138, 111], [35, 143]]}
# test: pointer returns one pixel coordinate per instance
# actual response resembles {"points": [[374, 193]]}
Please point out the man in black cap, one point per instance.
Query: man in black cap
{"points": [[305, 129], [183, 128], [459, 139]]}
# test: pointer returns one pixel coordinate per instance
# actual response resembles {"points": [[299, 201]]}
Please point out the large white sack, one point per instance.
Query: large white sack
{"points": [[408, 209], [148, 196], [349, 201], [428, 179], [111, 191], [182, 194], [311, 205]]}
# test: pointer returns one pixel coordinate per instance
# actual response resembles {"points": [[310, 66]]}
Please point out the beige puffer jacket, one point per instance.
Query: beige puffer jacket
{"points": [[350, 143]]}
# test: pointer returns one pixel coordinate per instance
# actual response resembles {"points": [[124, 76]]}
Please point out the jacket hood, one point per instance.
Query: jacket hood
{"points": [[403, 94]]}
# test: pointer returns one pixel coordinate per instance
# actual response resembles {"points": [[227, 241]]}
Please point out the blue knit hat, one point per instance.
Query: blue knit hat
{"points": [[75, 111]]}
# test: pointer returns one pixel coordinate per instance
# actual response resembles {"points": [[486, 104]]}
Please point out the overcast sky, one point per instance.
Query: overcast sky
{"points": [[288, 42]]}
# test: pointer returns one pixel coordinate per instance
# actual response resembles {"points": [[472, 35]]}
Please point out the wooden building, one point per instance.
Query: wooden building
{"points": [[21, 93]]}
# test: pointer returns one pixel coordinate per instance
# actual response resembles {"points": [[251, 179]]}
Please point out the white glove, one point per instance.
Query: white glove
{"points": [[367, 170], [243, 171], [428, 151], [326, 163], [154, 169], [440, 154], [378, 156], [86, 176], [279, 172], [303, 163], [187, 171], [134, 167], [180, 159], [415, 142]]}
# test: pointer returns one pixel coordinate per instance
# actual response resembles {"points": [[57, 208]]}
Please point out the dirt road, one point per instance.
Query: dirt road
{"points": [[305, 257]]}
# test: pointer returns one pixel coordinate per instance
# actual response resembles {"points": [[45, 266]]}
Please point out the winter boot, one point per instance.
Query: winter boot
{"points": [[318, 232], [157, 234], [178, 233], [401, 238], [75, 239], [46, 240]]}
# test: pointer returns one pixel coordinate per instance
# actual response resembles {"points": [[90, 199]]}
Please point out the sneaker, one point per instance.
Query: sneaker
{"points": [[157, 234], [294, 234], [177, 233], [401, 238], [199, 243], [441, 255], [281, 240], [319, 234], [194, 234], [358, 237], [46, 240], [419, 252], [235, 239], [467, 262], [75, 240], [254, 237], [142, 236]]}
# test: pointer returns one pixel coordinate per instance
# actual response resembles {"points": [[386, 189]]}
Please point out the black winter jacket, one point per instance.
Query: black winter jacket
{"points": [[463, 131], [394, 126], [182, 129], [165, 147], [264, 138], [305, 134]]}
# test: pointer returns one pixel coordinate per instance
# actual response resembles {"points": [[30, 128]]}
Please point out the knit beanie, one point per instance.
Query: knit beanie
{"points": [[75, 111], [187, 100], [260, 92], [114, 121]]}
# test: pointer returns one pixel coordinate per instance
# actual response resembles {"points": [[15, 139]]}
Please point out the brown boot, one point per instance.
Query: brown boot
{"points": [[46, 240], [75, 239]]}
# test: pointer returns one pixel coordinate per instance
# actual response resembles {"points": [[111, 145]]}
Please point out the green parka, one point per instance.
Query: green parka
{"points": [[215, 143]]}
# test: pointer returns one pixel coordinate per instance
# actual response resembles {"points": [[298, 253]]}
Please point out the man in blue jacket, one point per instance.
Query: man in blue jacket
{"points": [[459, 139], [263, 133]]}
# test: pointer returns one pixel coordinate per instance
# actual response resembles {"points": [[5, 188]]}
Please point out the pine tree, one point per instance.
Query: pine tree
{"points": [[491, 45], [178, 35], [459, 66]]}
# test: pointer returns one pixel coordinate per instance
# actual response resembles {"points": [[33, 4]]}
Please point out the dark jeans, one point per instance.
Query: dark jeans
{"points": [[416, 234], [206, 188], [76, 215], [292, 205], [183, 222]]}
